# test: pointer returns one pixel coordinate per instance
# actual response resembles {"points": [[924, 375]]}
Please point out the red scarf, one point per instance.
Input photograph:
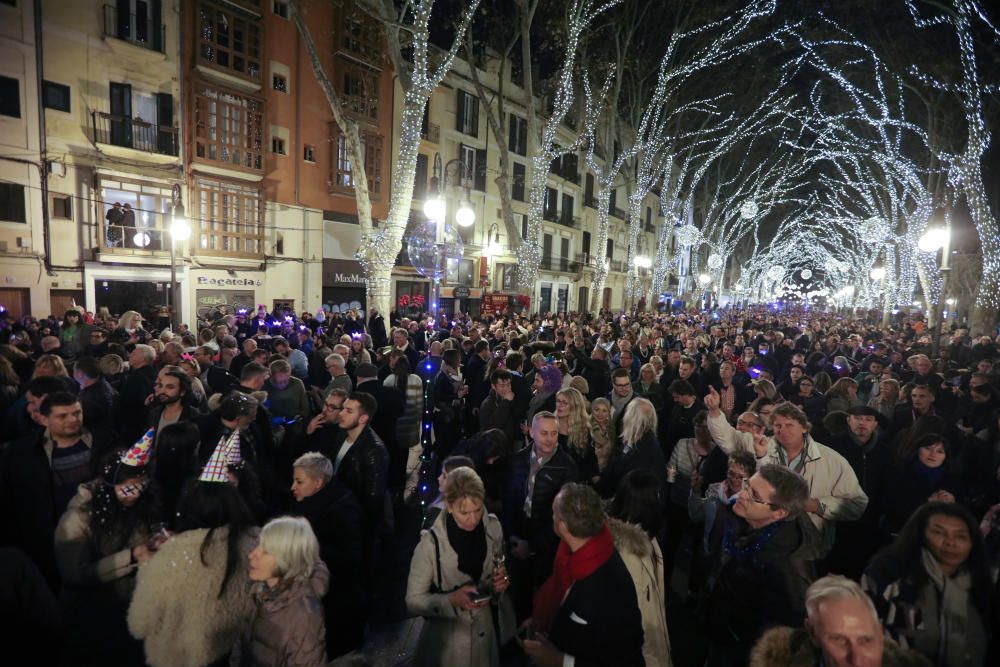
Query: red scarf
{"points": [[568, 568]]}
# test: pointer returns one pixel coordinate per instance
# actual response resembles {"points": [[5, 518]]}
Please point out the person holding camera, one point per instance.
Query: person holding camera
{"points": [[457, 581]]}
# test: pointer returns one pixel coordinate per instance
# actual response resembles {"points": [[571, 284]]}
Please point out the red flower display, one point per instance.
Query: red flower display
{"points": [[404, 301], [418, 300]]}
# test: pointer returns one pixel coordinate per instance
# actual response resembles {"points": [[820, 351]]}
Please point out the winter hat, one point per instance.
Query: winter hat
{"points": [[226, 454]]}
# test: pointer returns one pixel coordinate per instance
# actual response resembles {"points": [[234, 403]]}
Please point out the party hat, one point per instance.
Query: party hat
{"points": [[137, 456], [227, 453]]}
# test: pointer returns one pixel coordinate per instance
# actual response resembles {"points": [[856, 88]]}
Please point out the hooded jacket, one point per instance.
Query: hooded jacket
{"points": [[785, 647], [644, 561], [287, 629]]}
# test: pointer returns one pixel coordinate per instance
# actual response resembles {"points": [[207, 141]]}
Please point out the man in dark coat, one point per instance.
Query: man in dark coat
{"points": [[217, 380], [98, 398], [361, 463], [588, 607], [40, 473], [767, 563], [593, 368], [536, 475], [376, 329], [390, 408], [334, 513], [867, 450], [137, 387]]}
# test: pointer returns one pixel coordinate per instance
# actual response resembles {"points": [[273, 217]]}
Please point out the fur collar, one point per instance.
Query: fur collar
{"points": [[630, 538], [785, 647]]}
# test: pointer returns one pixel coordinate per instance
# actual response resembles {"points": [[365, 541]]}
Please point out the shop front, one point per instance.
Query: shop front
{"points": [[144, 289], [343, 285], [216, 293]]}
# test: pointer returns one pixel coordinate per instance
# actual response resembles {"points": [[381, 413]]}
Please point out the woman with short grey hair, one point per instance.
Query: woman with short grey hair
{"points": [[289, 582]]}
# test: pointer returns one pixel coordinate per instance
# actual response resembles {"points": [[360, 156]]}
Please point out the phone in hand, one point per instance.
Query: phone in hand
{"points": [[479, 596]]}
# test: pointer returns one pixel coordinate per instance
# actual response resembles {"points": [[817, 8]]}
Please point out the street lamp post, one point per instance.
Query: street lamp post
{"points": [[435, 208], [934, 239], [180, 230]]}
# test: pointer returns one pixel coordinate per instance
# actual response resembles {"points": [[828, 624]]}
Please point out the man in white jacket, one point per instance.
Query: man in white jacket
{"points": [[834, 491]]}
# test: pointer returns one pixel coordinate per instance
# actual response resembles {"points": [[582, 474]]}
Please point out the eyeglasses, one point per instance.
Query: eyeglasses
{"points": [[332, 406], [756, 498], [623, 386]]}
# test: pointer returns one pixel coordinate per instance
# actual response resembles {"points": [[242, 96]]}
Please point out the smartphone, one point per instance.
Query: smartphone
{"points": [[479, 597], [527, 632]]}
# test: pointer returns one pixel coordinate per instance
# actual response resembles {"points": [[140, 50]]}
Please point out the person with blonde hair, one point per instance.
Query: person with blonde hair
{"points": [[50, 365], [129, 329], [639, 448], [602, 431], [458, 581], [289, 582], [574, 431]]}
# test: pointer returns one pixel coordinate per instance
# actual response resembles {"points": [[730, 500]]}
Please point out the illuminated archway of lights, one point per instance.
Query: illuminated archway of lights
{"points": [[812, 190]]}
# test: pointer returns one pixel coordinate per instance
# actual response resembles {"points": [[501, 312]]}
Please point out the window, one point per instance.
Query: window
{"points": [[280, 83], [280, 7], [342, 173], [278, 146], [649, 218], [228, 127], [551, 208], [12, 203], [518, 135], [610, 249], [55, 96], [228, 218], [524, 227], [520, 178], [229, 41], [420, 180], [62, 206], [145, 227], [309, 153], [467, 116], [361, 35], [10, 97], [567, 210], [360, 93], [461, 272]]}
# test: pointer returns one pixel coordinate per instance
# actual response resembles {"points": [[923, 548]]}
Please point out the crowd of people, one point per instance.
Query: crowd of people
{"points": [[737, 487]]}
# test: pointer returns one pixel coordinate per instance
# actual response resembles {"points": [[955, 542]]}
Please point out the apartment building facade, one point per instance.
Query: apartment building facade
{"points": [[456, 128], [210, 107]]}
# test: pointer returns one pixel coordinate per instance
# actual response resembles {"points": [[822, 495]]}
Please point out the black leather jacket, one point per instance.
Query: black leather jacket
{"points": [[364, 471], [537, 528]]}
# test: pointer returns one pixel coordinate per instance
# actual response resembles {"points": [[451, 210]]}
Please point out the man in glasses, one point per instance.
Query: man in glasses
{"points": [[767, 563], [321, 431]]}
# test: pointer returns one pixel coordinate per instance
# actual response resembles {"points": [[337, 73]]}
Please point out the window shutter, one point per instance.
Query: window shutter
{"points": [[475, 117], [480, 170], [165, 138], [156, 25], [522, 137], [460, 113], [512, 138]]}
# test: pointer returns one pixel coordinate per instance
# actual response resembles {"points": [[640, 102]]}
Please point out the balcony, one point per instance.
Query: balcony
{"points": [[560, 264], [131, 237], [616, 212], [431, 133], [552, 215], [139, 30], [570, 221], [134, 133], [590, 201], [362, 107], [585, 260], [617, 265]]}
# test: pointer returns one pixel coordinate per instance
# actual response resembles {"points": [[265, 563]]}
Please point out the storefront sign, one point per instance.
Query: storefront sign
{"points": [[461, 292], [494, 304], [342, 272], [225, 301], [230, 282]]}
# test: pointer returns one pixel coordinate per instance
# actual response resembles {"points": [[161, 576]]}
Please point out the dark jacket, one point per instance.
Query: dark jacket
{"points": [[390, 409], [762, 582], [132, 403], [599, 622], [494, 412], [100, 403], [30, 618], [364, 470], [335, 516], [596, 372], [29, 510], [537, 528], [646, 455], [785, 647]]}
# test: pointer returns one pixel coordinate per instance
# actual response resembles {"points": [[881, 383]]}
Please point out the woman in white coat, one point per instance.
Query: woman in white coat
{"points": [[457, 581]]}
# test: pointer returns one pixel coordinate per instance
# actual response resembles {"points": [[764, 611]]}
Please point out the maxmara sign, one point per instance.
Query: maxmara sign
{"points": [[342, 272], [229, 282]]}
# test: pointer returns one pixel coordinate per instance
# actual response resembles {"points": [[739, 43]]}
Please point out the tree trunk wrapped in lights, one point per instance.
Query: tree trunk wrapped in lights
{"points": [[406, 27]]}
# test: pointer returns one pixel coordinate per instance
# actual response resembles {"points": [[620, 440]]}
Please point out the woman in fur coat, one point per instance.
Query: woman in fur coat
{"points": [[192, 599]]}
